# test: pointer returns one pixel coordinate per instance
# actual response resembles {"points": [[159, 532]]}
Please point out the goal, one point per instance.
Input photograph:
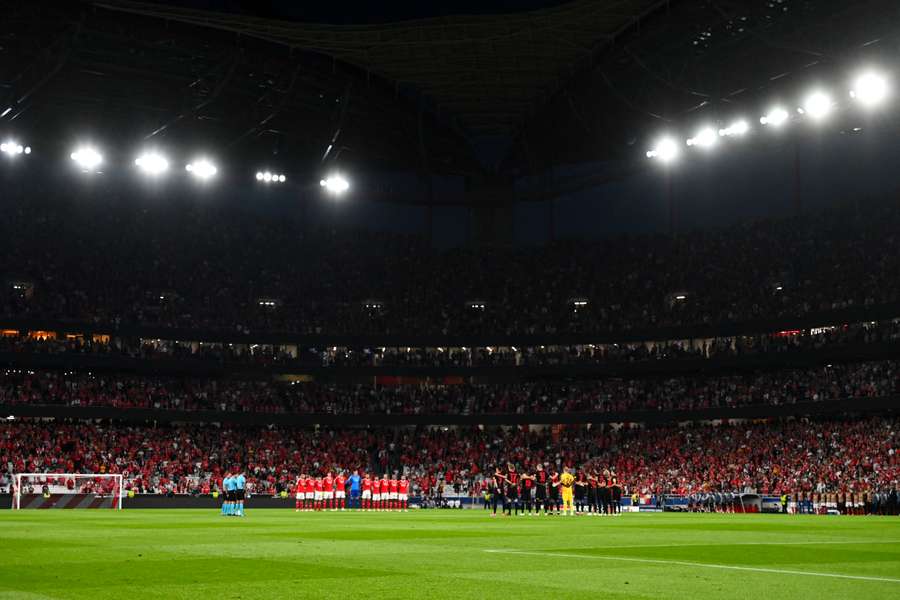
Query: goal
{"points": [[67, 490]]}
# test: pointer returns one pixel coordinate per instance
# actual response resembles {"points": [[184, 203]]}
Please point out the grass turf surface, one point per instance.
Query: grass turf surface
{"points": [[443, 554]]}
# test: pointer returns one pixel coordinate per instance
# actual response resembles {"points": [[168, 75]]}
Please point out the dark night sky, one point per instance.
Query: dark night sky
{"points": [[362, 12]]}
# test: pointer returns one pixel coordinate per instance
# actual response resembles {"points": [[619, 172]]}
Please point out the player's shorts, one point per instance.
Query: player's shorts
{"points": [[340, 495], [567, 495], [366, 494], [540, 492], [327, 495], [301, 495], [393, 496], [403, 497], [229, 495], [319, 495], [376, 497], [239, 495], [310, 495]]}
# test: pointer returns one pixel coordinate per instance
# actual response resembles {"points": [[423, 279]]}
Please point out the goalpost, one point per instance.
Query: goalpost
{"points": [[67, 490]]}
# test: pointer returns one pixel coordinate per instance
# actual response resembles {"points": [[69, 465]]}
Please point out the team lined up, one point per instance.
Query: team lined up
{"points": [[337, 492], [591, 491]]}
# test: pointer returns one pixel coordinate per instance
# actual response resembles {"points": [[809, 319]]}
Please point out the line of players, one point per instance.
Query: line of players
{"points": [[339, 492], [590, 492]]}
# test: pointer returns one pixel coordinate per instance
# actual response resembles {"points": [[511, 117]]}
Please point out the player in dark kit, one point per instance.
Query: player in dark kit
{"points": [[527, 493], [603, 491], [553, 493], [616, 493], [541, 481], [496, 486], [512, 489]]}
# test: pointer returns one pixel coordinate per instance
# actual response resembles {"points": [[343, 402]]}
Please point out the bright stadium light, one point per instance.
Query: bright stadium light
{"points": [[817, 106], [13, 148], [202, 169], [269, 177], [152, 163], [870, 89], [775, 117], [666, 150], [87, 158], [705, 138], [738, 128], [335, 184]]}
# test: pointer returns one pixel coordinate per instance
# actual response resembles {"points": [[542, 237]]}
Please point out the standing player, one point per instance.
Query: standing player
{"points": [[320, 493], [354, 490], [616, 492], [553, 492], [226, 494], [403, 493], [300, 491], [497, 483], [512, 489], [328, 490], [376, 493], [340, 491], [527, 493], [394, 487], [367, 492], [310, 501], [540, 489], [566, 483], [385, 492], [240, 482]]}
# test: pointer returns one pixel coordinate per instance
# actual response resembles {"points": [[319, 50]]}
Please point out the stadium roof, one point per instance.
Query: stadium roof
{"points": [[583, 80], [488, 73]]}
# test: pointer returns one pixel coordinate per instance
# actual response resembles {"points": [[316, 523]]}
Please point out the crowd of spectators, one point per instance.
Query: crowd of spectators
{"points": [[205, 267], [769, 458], [781, 342], [819, 384]]}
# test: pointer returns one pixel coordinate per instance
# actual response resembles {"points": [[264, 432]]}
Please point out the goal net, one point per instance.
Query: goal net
{"points": [[67, 490]]}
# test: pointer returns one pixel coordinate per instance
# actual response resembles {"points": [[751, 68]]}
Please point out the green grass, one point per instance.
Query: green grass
{"points": [[443, 554]]}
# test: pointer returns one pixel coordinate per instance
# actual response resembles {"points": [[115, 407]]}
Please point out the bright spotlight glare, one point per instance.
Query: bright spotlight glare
{"points": [[738, 128], [13, 148], [87, 158], [335, 184], [152, 163], [775, 117], [705, 138], [818, 105], [666, 150], [259, 176], [202, 169], [282, 178], [870, 89], [267, 177]]}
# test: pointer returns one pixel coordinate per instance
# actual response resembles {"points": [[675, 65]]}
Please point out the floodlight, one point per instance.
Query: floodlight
{"points": [[870, 89], [87, 158], [259, 176], [202, 169], [775, 117], [738, 128], [335, 184], [666, 150], [267, 177], [705, 138], [282, 178], [152, 163], [12, 148], [817, 105]]}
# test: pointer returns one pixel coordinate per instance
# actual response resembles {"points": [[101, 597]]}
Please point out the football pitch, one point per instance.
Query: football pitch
{"points": [[443, 554]]}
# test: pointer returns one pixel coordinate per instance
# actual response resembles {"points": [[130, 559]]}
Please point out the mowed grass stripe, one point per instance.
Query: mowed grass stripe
{"points": [[196, 553]]}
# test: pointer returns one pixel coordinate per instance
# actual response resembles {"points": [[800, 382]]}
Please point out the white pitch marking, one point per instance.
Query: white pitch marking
{"points": [[702, 565]]}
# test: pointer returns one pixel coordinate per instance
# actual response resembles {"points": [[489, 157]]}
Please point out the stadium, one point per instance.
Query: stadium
{"points": [[546, 298]]}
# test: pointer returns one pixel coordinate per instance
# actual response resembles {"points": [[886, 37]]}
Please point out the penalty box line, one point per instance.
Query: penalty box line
{"points": [[697, 565]]}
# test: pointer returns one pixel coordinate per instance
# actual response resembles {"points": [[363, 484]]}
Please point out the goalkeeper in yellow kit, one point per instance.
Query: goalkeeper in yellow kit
{"points": [[567, 486]]}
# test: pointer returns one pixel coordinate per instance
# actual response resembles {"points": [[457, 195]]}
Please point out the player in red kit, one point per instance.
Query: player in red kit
{"points": [[340, 491], [395, 493], [385, 492], [328, 491], [310, 493], [403, 493], [376, 493], [366, 492], [320, 492], [300, 490]]}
